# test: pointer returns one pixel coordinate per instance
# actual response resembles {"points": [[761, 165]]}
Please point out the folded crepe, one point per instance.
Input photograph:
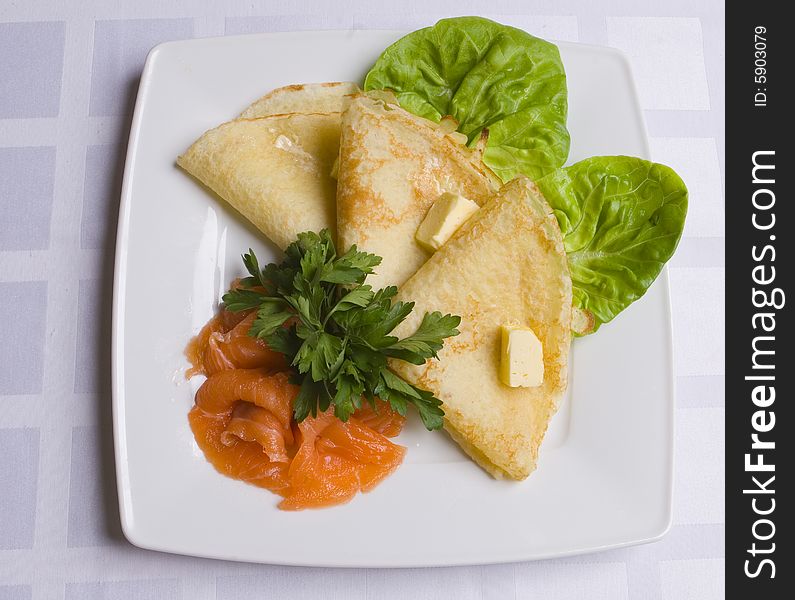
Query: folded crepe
{"points": [[274, 170], [393, 166], [274, 163], [506, 265], [304, 98]]}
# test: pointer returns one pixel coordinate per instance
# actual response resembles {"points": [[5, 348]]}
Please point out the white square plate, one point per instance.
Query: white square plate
{"points": [[604, 475]]}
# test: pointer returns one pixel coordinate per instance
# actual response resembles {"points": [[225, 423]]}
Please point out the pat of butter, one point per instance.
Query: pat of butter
{"points": [[522, 357], [447, 214]]}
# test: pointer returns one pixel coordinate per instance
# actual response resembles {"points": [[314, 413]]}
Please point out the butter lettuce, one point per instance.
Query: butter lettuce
{"points": [[621, 219], [485, 75]]}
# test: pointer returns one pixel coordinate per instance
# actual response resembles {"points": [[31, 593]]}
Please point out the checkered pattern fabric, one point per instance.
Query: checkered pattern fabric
{"points": [[68, 76]]}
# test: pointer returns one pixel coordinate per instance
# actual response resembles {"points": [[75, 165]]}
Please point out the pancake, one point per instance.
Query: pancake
{"points": [[393, 166], [506, 265], [274, 170], [303, 98]]}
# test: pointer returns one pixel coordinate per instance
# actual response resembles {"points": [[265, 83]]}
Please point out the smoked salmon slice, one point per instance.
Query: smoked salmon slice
{"points": [[335, 461], [242, 460], [252, 423], [271, 391], [243, 423], [382, 418], [224, 344]]}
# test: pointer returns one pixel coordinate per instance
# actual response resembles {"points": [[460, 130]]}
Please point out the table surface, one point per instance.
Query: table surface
{"points": [[68, 76]]}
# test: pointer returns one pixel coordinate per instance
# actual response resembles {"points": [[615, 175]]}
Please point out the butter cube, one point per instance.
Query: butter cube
{"points": [[522, 357], [447, 214]]}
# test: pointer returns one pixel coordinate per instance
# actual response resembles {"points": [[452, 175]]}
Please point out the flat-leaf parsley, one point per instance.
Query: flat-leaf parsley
{"points": [[315, 308]]}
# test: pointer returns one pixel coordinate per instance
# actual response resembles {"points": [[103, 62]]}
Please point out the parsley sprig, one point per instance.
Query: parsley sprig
{"points": [[338, 328]]}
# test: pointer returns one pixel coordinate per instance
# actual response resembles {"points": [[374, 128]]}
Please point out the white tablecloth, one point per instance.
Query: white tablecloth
{"points": [[68, 74]]}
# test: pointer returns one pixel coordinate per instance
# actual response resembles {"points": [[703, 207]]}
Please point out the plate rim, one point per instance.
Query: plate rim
{"points": [[118, 400]]}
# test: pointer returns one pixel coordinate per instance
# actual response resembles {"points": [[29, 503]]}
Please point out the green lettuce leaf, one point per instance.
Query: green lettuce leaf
{"points": [[621, 219], [486, 75]]}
